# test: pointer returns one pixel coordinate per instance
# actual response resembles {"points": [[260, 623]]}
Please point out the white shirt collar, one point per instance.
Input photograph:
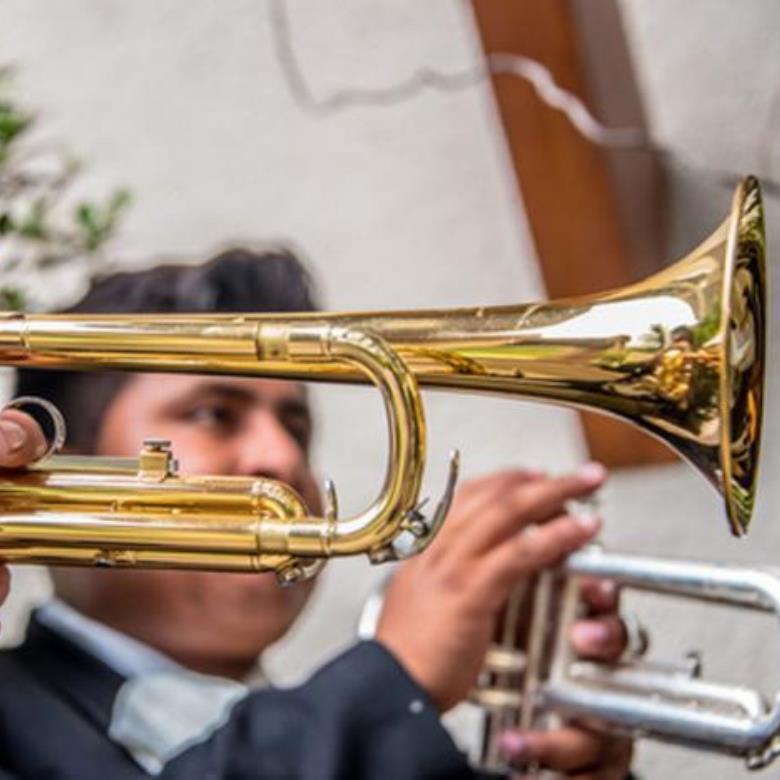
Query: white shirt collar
{"points": [[162, 709]]}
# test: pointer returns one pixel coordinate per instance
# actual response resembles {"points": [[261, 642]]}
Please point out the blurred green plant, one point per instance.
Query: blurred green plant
{"points": [[37, 230]]}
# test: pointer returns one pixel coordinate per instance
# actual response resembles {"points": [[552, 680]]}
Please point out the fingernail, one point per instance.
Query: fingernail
{"points": [[590, 633], [590, 523], [593, 473], [608, 588], [14, 435], [513, 744]]}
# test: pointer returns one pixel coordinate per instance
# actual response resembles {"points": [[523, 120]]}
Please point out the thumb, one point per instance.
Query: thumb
{"points": [[21, 439]]}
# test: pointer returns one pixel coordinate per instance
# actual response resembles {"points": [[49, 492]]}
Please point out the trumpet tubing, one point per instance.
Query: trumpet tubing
{"points": [[680, 354], [141, 513], [135, 513]]}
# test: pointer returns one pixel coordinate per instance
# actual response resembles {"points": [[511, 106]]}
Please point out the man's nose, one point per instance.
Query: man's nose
{"points": [[267, 449]]}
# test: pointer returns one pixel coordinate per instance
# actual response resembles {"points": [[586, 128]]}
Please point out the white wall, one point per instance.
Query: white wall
{"points": [[400, 206]]}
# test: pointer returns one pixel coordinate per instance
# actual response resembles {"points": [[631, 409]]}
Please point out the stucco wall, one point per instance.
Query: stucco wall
{"points": [[405, 205]]}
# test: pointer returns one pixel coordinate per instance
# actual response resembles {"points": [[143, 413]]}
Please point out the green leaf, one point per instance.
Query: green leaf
{"points": [[6, 224], [97, 222], [33, 224], [88, 219], [57, 240], [12, 299], [86, 216], [119, 201], [12, 123]]}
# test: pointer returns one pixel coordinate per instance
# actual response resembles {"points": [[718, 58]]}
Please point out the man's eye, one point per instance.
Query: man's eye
{"points": [[213, 416], [299, 427]]}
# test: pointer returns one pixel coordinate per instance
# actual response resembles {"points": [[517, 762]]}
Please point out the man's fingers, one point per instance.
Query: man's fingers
{"points": [[5, 582], [498, 481], [471, 508], [575, 751], [21, 439], [602, 638], [565, 750], [535, 502], [476, 494], [533, 549], [599, 595]]}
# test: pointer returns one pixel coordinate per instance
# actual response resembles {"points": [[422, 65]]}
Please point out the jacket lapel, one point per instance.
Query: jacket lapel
{"points": [[88, 684]]}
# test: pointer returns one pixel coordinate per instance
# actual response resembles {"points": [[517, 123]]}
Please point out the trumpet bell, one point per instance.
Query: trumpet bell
{"points": [[742, 381], [708, 377], [679, 354]]}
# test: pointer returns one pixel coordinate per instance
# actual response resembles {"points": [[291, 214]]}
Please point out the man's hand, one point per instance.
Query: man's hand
{"points": [[441, 608], [574, 752], [578, 752], [21, 441]]}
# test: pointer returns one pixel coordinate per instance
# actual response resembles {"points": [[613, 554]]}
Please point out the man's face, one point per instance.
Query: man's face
{"points": [[217, 425]]}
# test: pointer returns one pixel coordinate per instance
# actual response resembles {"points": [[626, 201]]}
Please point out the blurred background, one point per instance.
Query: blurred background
{"points": [[390, 145]]}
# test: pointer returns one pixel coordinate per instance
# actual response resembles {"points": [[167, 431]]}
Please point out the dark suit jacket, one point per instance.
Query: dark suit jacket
{"points": [[352, 720]]}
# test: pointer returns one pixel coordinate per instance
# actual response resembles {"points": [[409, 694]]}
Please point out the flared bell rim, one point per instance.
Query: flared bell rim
{"points": [[746, 250]]}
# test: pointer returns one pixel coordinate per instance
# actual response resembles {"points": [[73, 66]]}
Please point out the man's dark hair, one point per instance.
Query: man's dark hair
{"points": [[237, 280]]}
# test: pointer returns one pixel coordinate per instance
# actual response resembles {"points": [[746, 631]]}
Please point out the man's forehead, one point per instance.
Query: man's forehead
{"points": [[261, 388], [248, 388]]}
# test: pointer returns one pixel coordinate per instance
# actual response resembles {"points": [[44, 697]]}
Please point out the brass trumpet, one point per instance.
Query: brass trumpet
{"points": [[680, 354]]}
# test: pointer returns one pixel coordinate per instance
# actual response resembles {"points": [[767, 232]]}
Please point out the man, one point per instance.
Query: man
{"points": [[132, 673]]}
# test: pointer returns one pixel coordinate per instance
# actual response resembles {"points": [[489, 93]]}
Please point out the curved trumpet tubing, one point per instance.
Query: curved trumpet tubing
{"points": [[140, 513]]}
